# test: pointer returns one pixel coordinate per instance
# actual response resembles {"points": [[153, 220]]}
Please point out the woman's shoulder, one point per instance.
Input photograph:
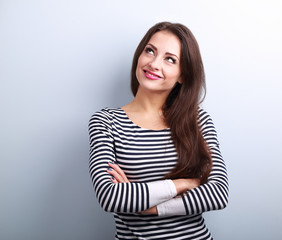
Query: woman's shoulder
{"points": [[107, 111], [207, 127], [205, 120], [106, 114], [204, 117]]}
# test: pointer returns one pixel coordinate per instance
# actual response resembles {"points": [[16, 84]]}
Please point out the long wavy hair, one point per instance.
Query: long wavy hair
{"points": [[182, 104]]}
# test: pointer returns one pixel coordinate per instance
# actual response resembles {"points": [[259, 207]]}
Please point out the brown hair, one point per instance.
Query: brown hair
{"points": [[181, 107]]}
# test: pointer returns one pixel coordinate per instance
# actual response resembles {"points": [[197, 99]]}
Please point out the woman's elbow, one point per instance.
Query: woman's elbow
{"points": [[224, 203], [107, 207]]}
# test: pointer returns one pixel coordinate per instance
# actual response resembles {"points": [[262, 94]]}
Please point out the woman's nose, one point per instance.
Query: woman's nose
{"points": [[155, 63]]}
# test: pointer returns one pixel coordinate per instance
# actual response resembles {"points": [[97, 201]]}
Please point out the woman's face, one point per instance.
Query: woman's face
{"points": [[158, 67]]}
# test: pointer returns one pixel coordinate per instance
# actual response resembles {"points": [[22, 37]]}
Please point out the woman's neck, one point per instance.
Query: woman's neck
{"points": [[148, 102], [146, 111]]}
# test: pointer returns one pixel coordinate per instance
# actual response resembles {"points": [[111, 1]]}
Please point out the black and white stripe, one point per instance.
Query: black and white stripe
{"points": [[146, 156]]}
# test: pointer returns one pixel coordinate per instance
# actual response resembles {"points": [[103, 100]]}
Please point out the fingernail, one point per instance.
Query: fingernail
{"points": [[111, 162], [113, 178], [110, 169]]}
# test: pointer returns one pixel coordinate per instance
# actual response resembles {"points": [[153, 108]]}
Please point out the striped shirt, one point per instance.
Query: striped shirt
{"points": [[146, 156]]}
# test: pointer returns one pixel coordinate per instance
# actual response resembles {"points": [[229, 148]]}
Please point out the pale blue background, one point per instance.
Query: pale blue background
{"points": [[60, 61]]}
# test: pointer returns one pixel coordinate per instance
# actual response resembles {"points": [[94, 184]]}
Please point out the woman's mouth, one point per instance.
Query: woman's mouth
{"points": [[151, 75]]}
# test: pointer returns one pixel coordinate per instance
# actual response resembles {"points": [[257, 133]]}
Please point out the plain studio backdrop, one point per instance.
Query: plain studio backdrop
{"points": [[60, 61]]}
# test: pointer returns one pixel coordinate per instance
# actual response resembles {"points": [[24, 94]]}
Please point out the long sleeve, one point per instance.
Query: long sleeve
{"points": [[122, 197], [210, 196]]}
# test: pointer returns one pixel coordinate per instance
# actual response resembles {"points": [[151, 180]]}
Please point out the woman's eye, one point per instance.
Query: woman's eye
{"points": [[171, 60], [149, 50]]}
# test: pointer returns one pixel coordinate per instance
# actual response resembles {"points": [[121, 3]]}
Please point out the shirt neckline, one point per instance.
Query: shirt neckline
{"points": [[147, 129]]}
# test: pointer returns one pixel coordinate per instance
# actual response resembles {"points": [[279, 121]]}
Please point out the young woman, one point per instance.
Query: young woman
{"points": [[155, 163]]}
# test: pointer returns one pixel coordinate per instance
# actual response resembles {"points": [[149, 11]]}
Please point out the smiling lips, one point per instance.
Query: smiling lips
{"points": [[151, 75]]}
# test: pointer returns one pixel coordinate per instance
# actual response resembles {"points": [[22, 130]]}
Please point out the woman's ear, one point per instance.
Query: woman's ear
{"points": [[180, 81]]}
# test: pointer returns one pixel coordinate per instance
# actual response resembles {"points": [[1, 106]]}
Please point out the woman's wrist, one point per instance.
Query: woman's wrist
{"points": [[152, 210], [180, 185], [185, 184]]}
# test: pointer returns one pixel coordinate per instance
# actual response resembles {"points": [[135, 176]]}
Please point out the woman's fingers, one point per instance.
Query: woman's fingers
{"points": [[119, 171], [113, 179], [116, 176]]}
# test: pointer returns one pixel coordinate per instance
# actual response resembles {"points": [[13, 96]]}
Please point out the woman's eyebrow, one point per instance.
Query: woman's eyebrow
{"points": [[155, 48], [172, 55]]}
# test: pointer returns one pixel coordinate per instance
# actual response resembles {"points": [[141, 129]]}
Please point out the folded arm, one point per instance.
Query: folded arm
{"points": [[130, 197], [206, 197], [174, 187]]}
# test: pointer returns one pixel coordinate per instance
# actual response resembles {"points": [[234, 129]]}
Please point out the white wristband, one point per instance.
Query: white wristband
{"points": [[172, 207], [161, 191]]}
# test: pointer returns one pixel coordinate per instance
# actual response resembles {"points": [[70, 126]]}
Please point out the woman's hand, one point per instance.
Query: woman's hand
{"points": [[152, 210], [185, 184], [117, 175]]}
